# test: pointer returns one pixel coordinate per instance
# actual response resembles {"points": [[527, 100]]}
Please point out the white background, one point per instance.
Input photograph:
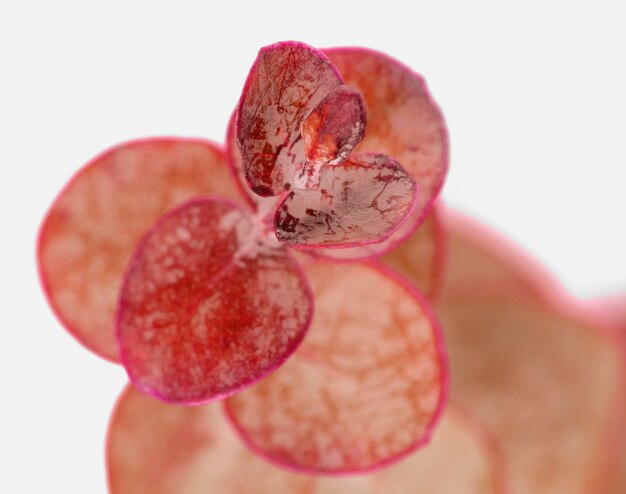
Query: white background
{"points": [[534, 96]]}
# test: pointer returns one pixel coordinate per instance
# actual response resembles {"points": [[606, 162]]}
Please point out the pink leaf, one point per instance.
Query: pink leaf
{"points": [[614, 307], [461, 459], [89, 233], [233, 154], [480, 256], [421, 257], [158, 448], [358, 202], [332, 129], [366, 387], [403, 121], [208, 306], [543, 373], [287, 80]]}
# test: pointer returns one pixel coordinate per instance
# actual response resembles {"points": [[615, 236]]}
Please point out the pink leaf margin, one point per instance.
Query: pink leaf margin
{"points": [[275, 365], [435, 419]]}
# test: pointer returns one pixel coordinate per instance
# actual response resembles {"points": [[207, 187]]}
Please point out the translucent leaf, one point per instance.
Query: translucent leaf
{"points": [[461, 458], [427, 239], [545, 378], [287, 80], [480, 256], [164, 449], [332, 129], [89, 233], [208, 306], [403, 121], [421, 257], [614, 307], [359, 202], [158, 448], [366, 387], [235, 164]]}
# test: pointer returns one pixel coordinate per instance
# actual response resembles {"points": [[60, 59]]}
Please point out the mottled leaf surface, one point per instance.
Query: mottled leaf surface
{"points": [[158, 448], [546, 381], [208, 306], [332, 129], [90, 231], [286, 82], [365, 388], [460, 459], [361, 201], [163, 449], [403, 121]]}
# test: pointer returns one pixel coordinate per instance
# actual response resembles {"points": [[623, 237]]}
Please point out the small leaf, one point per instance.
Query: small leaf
{"points": [[332, 129], [287, 80], [403, 120], [359, 202]]}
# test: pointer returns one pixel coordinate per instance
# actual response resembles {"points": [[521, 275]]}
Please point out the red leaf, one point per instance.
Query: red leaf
{"points": [[366, 387], [403, 121], [260, 204], [332, 129], [287, 80], [94, 224], [359, 202], [208, 306]]}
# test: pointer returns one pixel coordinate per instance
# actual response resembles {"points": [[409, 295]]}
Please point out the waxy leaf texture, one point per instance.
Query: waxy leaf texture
{"points": [[287, 80], [361, 201], [163, 449], [366, 387], [90, 231], [207, 307]]}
